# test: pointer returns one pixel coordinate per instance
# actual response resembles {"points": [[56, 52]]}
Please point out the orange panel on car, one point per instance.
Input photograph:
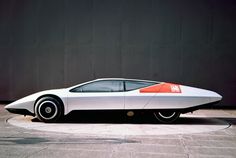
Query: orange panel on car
{"points": [[162, 88]]}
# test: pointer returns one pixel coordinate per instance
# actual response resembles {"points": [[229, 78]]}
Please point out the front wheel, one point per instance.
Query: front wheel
{"points": [[48, 109], [166, 116]]}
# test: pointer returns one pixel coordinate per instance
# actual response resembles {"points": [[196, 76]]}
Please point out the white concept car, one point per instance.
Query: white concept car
{"points": [[165, 101]]}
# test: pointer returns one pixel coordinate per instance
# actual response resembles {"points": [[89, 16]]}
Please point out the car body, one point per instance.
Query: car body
{"points": [[165, 100]]}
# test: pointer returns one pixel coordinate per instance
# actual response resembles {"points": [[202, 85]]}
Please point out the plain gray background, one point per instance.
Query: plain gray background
{"points": [[48, 44]]}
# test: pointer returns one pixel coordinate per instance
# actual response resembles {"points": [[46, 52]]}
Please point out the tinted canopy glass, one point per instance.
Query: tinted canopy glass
{"points": [[101, 86], [132, 85]]}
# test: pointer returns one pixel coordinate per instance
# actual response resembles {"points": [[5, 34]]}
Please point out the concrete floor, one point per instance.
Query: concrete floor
{"points": [[25, 141]]}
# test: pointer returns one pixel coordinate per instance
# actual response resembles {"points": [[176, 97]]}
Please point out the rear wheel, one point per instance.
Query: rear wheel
{"points": [[48, 109], [166, 116]]}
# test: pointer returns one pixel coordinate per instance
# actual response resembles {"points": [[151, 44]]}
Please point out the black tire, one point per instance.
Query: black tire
{"points": [[48, 109], [166, 116]]}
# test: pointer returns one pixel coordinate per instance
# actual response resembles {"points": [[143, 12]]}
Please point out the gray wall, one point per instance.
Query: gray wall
{"points": [[48, 44]]}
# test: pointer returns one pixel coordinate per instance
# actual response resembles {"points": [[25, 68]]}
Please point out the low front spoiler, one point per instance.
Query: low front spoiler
{"points": [[19, 111]]}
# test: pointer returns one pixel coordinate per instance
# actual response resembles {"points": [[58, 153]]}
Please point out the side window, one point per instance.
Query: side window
{"points": [[101, 86], [132, 85]]}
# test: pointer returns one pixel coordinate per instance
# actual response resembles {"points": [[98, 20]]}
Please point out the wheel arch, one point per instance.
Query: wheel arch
{"points": [[53, 96]]}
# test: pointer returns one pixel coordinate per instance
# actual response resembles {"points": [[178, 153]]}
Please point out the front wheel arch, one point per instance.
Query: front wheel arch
{"points": [[57, 99], [53, 96]]}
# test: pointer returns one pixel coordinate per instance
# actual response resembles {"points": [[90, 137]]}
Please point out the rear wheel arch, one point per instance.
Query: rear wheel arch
{"points": [[166, 116]]}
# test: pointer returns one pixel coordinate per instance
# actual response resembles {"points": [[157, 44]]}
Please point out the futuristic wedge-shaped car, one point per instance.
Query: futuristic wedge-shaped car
{"points": [[165, 101]]}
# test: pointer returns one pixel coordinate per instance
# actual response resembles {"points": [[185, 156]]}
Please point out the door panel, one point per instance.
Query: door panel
{"points": [[95, 101]]}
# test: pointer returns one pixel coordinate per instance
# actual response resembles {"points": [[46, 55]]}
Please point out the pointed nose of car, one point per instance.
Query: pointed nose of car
{"points": [[21, 106], [10, 106], [13, 108], [215, 97]]}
